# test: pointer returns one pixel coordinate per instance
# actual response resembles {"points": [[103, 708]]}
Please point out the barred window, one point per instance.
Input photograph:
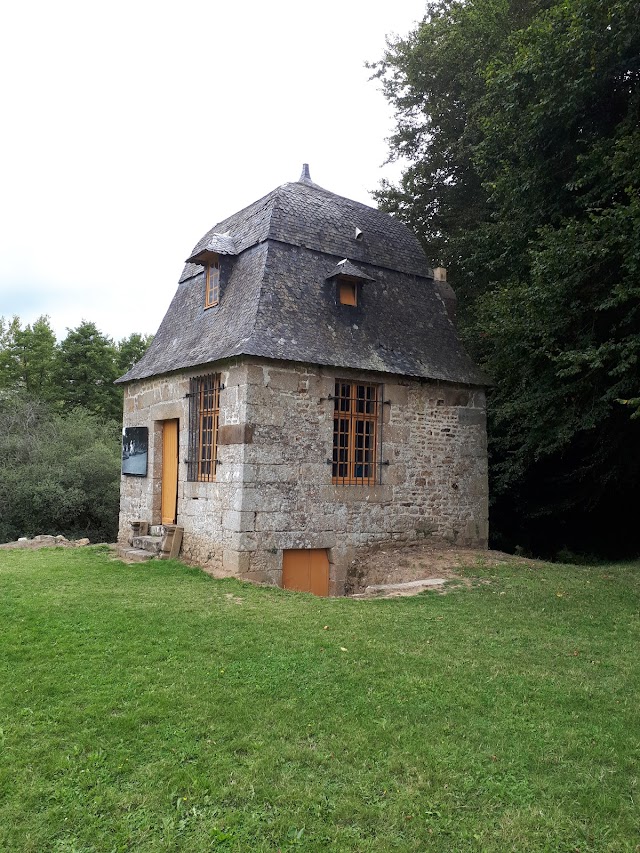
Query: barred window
{"points": [[204, 406], [355, 433]]}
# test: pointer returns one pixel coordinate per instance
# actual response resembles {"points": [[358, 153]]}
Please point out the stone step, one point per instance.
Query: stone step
{"points": [[133, 555], [150, 544], [158, 540]]}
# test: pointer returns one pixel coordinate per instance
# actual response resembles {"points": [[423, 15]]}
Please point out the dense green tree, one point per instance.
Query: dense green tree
{"points": [[545, 145], [8, 372], [434, 79], [27, 357], [86, 370], [562, 150], [58, 474], [78, 371], [5, 326], [60, 420], [130, 350]]}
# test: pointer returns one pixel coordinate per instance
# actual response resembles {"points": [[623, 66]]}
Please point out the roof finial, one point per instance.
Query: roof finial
{"points": [[305, 176]]}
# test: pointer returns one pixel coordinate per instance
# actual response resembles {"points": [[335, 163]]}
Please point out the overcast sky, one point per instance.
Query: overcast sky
{"points": [[130, 128]]}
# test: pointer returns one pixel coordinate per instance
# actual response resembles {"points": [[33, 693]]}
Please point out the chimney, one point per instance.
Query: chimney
{"points": [[440, 273], [447, 293]]}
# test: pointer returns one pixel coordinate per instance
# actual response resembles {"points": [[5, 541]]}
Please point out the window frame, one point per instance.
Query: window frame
{"points": [[212, 283], [357, 432], [204, 417]]}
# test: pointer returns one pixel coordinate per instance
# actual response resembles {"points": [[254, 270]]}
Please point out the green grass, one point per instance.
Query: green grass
{"points": [[151, 708]]}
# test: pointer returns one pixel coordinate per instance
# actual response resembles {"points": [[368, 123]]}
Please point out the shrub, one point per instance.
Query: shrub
{"points": [[58, 473]]}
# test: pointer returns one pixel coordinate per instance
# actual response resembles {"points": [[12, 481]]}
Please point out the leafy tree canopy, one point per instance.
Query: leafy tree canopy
{"points": [[521, 125], [27, 356], [130, 350], [60, 429], [86, 372], [58, 474], [78, 371]]}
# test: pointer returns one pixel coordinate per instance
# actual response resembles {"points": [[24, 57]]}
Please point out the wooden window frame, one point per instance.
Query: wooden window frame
{"points": [[212, 283], [204, 415], [357, 412]]}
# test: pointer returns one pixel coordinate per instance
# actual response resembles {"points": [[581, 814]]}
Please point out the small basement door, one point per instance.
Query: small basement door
{"points": [[306, 570], [169, 471]]}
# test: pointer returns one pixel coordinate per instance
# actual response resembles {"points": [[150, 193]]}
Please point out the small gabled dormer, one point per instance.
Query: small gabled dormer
{"points": [[348, 280], [209, 258]]}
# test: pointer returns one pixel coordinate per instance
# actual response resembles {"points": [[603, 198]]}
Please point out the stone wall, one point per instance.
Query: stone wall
{"points": [[203, 509], [273, 489]]}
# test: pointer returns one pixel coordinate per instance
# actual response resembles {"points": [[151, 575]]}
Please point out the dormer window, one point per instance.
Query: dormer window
{"points": [[207, 255], [347, 292], [348, 280], [212, 287]]}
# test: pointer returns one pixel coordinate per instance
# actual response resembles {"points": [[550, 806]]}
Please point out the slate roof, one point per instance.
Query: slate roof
{"points": [[276, 301]]}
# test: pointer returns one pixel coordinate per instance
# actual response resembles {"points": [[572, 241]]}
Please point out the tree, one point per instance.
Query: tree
{"points": [[130, 350], [79, 371], [57, 474], [5, 327], [27, 357], [9, 367], [86, 370], [547, 254], [434, 79], [60, 420]]}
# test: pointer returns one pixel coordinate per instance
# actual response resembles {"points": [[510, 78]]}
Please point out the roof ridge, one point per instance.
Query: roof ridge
{"points": [[314, 186]]}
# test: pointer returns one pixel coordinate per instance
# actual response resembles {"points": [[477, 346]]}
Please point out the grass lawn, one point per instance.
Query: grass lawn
{"points": [[150, 707]]}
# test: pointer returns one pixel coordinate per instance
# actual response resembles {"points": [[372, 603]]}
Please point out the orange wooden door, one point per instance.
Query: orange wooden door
{"points": [[306, 570], [169, 471]]}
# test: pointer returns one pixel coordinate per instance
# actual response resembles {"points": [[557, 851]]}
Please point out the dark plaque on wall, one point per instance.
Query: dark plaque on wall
{"points": [[135, 451]]}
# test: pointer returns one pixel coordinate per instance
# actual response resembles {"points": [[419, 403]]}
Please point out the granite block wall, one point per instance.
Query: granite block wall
{"points": [[273, 487]]}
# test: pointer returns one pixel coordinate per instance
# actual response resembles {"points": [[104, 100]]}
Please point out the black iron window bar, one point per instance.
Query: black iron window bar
{"points": [[204, 413], [357, 433]]}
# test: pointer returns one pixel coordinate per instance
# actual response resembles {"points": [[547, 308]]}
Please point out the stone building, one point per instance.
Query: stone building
{"points": [[307, 396]]}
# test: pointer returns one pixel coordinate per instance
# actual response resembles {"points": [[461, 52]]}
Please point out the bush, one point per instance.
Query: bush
{"points": [[58, 473]]}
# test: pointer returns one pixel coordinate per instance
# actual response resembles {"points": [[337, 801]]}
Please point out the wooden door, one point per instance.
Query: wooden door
{"points": [[169, 471], [306, 570]]}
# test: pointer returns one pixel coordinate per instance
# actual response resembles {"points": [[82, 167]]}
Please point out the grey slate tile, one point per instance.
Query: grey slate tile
{"points": [[276, 301]]}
